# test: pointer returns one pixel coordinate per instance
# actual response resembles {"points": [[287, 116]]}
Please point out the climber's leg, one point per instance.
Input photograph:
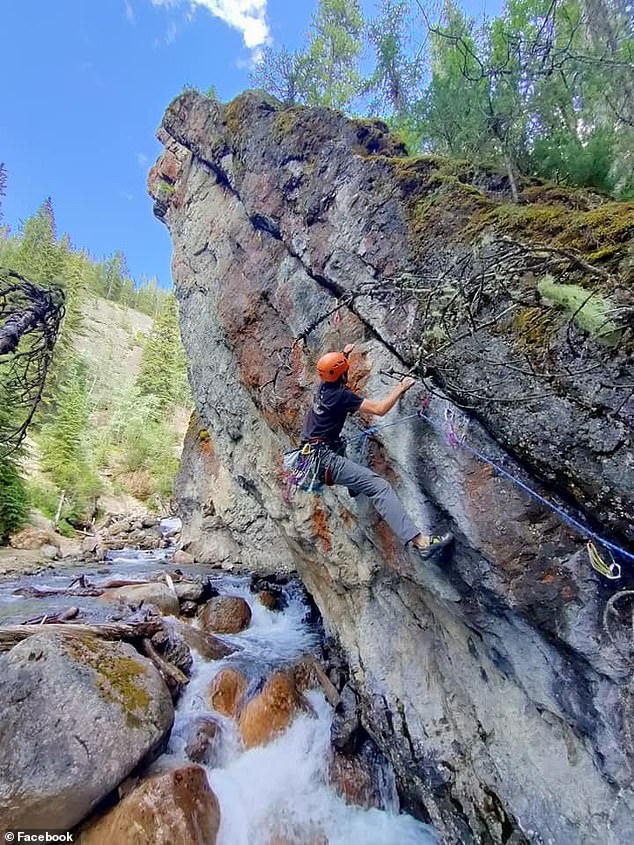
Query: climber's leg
{"points": [[359, 479]]}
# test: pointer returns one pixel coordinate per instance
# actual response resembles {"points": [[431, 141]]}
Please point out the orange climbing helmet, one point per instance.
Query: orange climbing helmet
{"points": [[332, 366]]}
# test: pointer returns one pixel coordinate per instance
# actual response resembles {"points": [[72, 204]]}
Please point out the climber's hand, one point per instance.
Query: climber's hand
{"points": [[347, 349], [406, 383]]}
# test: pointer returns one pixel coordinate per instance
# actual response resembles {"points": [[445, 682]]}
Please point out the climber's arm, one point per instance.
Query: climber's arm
{"points": [[380, 407]]}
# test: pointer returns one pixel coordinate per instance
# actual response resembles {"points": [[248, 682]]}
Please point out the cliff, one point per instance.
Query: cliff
{"points": [[500, 685]]}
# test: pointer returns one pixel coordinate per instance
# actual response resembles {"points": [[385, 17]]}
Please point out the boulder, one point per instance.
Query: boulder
{"points": [[89, 544], [202, 740], [34, 538], [174, 807], [225, 615], [227, 691], [189, 608], [270, 712], [174, 649], [153, 592], [77, 716], [344, 731], [188, 590], [181, 557], [352, 779], [205, 644], [271, 601]]}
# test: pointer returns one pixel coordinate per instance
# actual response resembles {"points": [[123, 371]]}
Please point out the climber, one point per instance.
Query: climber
{"points": [[333, 401]]}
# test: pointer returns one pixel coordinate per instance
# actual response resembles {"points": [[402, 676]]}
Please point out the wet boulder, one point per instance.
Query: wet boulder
{"points": [[352, 778], [270, 712], [202, 740], [177, 806], [78, 715], [181, 557], [174, 649], [227, 691], [189, 608], [154, 592], [225, 615], [205, 644], [272, 600], [188, 590]]}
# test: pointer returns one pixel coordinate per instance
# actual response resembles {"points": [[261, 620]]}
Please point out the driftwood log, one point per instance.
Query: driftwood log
{"points": [[52, 618], [171, 674], [13, 634]]}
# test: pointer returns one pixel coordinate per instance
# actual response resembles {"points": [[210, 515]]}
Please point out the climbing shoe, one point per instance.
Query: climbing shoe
{"points": [[437, 542]]}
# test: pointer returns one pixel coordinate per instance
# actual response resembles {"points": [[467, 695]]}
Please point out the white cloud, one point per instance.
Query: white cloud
{"points": [[247, 16], [129, 11], [142, 160]]}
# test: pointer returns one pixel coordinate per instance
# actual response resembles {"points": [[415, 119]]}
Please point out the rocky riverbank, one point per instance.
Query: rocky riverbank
{"points": [[162, 690]]}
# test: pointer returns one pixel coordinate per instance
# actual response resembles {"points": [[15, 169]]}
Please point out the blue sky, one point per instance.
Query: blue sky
{"points": [[84, 86]]}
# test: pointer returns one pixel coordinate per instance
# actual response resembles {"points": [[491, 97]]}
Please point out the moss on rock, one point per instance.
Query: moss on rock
{"points": [[120, 678]]}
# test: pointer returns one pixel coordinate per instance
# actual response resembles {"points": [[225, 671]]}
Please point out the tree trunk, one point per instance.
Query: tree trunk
{"points": [[18, 325], [13, 634]]}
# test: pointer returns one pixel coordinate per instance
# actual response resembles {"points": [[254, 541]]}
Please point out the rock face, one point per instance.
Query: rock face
{"points": [[97, 710], [178, 806], [493, 685]]}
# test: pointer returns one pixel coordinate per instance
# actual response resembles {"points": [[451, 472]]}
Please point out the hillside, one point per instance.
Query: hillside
{"points": [[111, 343], [127, 467]]}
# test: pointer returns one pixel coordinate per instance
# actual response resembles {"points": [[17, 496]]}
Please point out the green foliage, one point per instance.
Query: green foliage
{"points": [[589, 310], [65, 448], [398, 67], [143, 447], [334, 47], [3, 187], [43, 497], [14, 501], [326, 72], [544, 89], [163, 372]]}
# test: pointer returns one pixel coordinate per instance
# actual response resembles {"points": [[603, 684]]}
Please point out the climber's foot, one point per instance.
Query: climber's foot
{"points": [[431, 545]]}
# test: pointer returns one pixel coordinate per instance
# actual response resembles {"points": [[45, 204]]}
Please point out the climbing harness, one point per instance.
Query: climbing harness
{"points": [[304, 468]]}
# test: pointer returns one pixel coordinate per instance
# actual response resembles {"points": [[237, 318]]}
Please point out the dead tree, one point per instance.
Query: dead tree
{"points": [[30, 319]]}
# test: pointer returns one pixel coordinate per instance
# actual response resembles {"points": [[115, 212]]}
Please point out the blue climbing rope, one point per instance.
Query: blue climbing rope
{"points": [[460, 442]]}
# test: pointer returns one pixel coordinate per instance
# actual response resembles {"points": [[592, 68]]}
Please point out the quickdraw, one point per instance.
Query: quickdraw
{"points": [[610, 570]]}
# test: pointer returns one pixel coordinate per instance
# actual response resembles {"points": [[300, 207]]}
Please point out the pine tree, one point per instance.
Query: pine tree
{"points": [[332, 57], [14, 502], [163, 366], [3, 185], [37, 255], [398, 66], [65, 452]]}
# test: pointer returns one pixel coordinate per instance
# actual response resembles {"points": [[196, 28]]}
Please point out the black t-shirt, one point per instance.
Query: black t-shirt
{"points": [[332, 403]]}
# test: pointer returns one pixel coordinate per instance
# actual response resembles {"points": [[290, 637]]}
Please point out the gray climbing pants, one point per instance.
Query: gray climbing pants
{"points": [[360, 479]]}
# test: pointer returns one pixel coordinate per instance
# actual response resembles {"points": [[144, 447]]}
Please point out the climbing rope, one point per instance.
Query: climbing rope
{"points": [[455, 433]]}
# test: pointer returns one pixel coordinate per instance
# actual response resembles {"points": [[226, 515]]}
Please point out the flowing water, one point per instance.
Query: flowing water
{"points": [[274, 793]]}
